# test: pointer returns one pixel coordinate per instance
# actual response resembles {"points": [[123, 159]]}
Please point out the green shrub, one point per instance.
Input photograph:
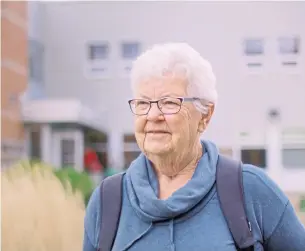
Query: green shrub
{"points": [[80, 181]]}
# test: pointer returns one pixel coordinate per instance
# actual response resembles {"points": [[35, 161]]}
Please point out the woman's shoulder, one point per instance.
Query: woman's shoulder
{"points": [[269, 209], [259, 186]]}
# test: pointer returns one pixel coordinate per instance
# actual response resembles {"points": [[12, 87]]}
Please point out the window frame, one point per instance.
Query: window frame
{"points": [[97, 68], [289, 60], [253, 62]]}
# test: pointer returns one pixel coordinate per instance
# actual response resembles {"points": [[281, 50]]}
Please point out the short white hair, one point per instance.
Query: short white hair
{"points": [[177, 58]]}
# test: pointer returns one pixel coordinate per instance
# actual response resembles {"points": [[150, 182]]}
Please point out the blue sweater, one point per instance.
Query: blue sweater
{"points": [[191, 217]]}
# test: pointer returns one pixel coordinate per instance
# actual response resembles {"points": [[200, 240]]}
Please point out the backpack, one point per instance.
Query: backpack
{"points": [[230, 193]]}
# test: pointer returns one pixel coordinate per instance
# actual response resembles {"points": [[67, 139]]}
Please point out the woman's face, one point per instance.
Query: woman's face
{"points": [[159, 133]]}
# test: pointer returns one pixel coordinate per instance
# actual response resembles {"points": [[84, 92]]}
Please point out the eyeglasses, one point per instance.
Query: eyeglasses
{"points": [[166, 105]]}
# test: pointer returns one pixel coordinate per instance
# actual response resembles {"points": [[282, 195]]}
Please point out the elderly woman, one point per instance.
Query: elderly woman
{"points": [[170, 198]]}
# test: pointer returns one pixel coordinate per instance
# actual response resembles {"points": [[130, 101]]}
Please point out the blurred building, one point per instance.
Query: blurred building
{"points": [[80, 59], [14, 72], [55, 126]]}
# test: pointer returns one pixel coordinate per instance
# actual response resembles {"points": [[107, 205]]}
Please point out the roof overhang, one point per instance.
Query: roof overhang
{"points": [[62, 111]]}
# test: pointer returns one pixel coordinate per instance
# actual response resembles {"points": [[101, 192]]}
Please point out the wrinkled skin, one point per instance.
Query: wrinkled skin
{"points": [[176, 152]]}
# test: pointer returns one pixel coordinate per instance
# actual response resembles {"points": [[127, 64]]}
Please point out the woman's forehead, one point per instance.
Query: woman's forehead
{"points": [[158, 87]]}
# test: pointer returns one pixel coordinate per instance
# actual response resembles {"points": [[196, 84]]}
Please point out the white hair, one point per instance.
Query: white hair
{"points": [[177, 58]]}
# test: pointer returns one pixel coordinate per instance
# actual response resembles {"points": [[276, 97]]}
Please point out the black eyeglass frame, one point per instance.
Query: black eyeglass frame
{"points": [[182, 99]]}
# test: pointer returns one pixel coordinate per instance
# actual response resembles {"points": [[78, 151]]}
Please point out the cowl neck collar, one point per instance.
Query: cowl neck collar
{"points": [[142, 187]]}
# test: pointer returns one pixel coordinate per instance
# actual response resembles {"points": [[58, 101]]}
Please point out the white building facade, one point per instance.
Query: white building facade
{"points": [[256, 50]]}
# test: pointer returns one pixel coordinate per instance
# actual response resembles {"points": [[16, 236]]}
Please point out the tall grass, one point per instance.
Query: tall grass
{"points": [[38, 214]]}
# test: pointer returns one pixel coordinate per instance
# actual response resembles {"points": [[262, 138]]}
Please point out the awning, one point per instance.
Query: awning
{"points": [[62, 111]]}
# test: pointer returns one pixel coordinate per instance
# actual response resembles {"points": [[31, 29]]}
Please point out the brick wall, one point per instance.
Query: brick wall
{"points": [[14, 77]]}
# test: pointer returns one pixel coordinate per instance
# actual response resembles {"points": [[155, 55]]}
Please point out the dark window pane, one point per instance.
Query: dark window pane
{"points": [[35, 144], [289, 45], [255, 157], [36, 61], [98, 51], [129, 138], [130, 50], [68, 152], [253, 47]]}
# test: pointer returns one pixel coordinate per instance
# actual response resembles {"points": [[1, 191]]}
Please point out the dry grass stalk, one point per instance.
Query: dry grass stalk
{"points": [[37, 213]]}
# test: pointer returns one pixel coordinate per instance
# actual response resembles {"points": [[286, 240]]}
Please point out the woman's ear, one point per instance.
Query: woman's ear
{"points": [[210, 113], [205, 118]]}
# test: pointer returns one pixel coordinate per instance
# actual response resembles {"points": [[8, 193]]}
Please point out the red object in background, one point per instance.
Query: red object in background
{"points": [[91, 161]]}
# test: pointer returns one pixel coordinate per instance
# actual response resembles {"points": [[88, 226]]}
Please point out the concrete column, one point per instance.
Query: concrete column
{"points": [[79, 150], [236, 145], [46, 143], [236, 152], [115, 150]]}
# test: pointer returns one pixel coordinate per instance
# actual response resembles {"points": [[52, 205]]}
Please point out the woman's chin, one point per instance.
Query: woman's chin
{"points": [[157, 147]]}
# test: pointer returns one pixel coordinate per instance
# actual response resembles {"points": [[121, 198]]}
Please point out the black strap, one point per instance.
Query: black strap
{"points": [[111, 202], [230, 193]]}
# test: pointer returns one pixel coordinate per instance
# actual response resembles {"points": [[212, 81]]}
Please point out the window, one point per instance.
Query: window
{"points": [[35, 145], [289, 45], [253, 47], [130, 50], [293, 157], [98, 51], [97, 64], [255, 157], [36, 58], [289, 50], [68, 152], [130, 138]]}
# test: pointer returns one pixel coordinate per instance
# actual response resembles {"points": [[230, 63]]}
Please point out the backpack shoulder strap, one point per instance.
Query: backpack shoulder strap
{"points": [[111, 202], [230, 193]]}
